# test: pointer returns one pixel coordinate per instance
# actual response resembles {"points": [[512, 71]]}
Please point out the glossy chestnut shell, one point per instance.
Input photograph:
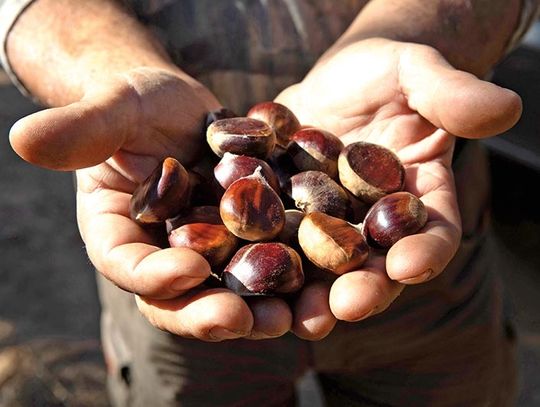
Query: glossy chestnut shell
{"points": [[370, 171], [233, 167], [392, 218], [315, 149], [278, 117], [314, 191], [264, 269], [251, 209], [162, 195]]}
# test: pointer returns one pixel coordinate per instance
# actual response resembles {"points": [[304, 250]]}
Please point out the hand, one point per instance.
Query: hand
{"points": [[115, 136], [408, 98]]}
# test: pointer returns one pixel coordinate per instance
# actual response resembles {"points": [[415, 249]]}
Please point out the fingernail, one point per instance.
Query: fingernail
{"points": [[364, 316], [184, 283], [222, 333], [262, 335], [426, 275]]}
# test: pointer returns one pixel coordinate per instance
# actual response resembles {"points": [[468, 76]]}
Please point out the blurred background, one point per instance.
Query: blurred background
{"points": [[49, 312]]}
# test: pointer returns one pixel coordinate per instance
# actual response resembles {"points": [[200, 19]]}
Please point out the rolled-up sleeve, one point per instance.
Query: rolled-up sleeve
{"points": [[10, 10]]}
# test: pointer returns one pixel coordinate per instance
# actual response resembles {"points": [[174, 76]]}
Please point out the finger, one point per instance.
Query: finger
{"points": [[209, 315], [313, 319], [454, 100], [272, 317], [79, 135], [360, 294], [423, 256], [128, 255]]}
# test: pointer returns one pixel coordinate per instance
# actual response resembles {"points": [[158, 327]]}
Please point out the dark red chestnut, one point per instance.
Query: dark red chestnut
{"points": [[214, 242], [242, 136], [232, 167], [314, 191], [289, 233], [332, 244], [162, 195], [315, 149], [370, 171], [393, 217], [282, 165], [196, 214], [278, 117], [251, 209], [264, 269]]}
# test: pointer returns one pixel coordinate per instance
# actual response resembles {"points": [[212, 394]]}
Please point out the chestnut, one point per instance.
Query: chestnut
{"points": [[197, 214], [278, 117], [264, 269], [162, 195], [282, 165], [370, 171], [315, 149], [393, 217], [332, 244], [232, 167], [289, 233], [251, 209], [314, 191], [242, 136], [212, 241]]}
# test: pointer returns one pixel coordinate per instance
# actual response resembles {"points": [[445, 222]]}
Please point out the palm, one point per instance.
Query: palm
{"points": [[385, 92]]}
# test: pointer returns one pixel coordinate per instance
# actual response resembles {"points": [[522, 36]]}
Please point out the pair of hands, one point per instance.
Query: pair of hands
{"points": [[403, 96]]}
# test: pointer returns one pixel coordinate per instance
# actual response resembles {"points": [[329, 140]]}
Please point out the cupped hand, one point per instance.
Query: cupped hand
{"points": [[114, 137], [408, 98]]}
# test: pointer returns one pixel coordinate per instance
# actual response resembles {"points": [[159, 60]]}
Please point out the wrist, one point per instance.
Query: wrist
{"points": [[471, 34], [58, 63]]}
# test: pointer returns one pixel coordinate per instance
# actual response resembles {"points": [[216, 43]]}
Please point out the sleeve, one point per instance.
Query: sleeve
{"points": [[10, 10]]}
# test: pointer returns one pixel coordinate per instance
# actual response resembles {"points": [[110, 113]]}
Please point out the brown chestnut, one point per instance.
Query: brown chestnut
{"points": [[214, 242], [162, 195], [278, 117], [393, 217], [370, 171], [314, 191], [251, 209], [332, 244], [242, 136], [232, 167], [196, 214], [315, 149], [264, 269]]}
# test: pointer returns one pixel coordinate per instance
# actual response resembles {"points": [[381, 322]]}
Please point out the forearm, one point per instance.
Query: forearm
{"points": [[61, 48], [471, 34]]}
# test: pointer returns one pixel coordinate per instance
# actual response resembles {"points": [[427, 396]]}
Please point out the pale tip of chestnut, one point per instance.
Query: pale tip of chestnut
{"points": [[370, 171], [241, 136], [332, 244]]}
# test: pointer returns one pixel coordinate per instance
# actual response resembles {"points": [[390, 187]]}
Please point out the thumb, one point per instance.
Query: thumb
{"points": [[78, 135], [453, 100]]}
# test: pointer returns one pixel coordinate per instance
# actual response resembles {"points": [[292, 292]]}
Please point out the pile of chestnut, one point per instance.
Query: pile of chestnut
{"points": [[279, 198]]}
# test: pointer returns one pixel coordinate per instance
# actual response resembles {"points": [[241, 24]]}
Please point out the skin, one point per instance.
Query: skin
{"points": [[112, 120]]}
